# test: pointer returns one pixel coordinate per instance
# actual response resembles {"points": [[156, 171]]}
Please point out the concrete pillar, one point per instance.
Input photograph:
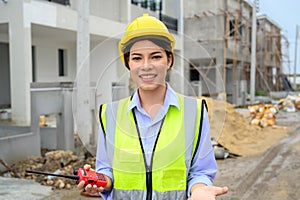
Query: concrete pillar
{"points": [[65, 134], [219, 73], [20, 65], [177, 79], [236, 84], [83, 110]]}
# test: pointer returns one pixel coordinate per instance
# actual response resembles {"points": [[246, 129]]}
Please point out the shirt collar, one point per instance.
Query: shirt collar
{"points": [[171, 99]]}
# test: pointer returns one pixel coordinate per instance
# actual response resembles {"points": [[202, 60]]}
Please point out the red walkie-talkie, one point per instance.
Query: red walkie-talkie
{"points": [[88, 176]]}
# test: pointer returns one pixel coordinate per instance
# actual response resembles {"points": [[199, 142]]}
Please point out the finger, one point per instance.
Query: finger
{"points": [[88, 188], [80, 185], [95, 188], [100, 189], [87, 166], [221, 190]]}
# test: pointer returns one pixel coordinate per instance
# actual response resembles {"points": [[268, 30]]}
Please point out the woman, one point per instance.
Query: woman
{"points": [[156, 143]]}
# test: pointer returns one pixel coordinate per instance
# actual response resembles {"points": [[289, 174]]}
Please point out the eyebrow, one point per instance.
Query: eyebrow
{"points": [[156, 52], [139, 54]]}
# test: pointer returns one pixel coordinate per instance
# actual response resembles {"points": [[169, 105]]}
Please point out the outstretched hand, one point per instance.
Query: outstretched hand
{"points": [[207, 192], [89, 190]]}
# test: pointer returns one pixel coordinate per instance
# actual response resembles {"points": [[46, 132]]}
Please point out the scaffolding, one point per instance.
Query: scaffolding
{"points": [[236, 48], [234, 45]]}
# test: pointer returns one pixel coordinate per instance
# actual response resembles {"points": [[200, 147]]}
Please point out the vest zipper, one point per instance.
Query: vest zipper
{"points": [[148, 168], [149, 185]]}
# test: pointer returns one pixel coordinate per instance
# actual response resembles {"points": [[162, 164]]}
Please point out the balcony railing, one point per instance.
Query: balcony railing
{"points": [[63, 2], [152, 4], [156, 5], [170, 22]]}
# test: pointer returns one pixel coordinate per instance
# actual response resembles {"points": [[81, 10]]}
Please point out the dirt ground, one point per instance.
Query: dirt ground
{"points": [[268, 166], [273, 174]]}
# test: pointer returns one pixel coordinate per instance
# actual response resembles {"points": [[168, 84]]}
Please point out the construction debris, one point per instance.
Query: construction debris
{"points": [[231, 129], [52, 161], [263, 114], [290, 104], [9, 168], [57, 162], [221, 152]]}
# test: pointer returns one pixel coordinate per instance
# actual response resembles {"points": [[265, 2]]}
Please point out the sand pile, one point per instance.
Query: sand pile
{"points": [[234, 131]]}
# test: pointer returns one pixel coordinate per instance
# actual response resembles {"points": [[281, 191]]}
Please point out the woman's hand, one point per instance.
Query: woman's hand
{"points": [[89, 190], [207, 192]]}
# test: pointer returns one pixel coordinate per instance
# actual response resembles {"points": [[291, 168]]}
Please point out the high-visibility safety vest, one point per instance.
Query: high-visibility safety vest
{"points": [[173, 151]]}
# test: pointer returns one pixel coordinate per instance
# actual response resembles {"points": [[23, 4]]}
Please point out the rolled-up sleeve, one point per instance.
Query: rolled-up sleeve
{"points": [[204, 167]]}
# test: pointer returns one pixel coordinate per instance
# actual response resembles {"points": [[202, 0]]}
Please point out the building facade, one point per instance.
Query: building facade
{"points": [[269, 55], [46, 44], [219, 62], [38, 42]]}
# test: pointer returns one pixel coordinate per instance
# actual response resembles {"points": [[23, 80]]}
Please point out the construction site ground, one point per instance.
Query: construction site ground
{"points": [[268, 168], [273, 174]]}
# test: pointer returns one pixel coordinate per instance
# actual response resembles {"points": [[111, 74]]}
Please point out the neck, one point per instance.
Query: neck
{"points": [[152, 100]]}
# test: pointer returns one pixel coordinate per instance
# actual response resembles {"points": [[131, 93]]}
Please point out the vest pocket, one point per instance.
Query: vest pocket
{"points": [[174, 179]]}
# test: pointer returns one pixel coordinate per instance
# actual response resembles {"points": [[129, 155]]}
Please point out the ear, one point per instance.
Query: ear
{"points": [[170, 61]]}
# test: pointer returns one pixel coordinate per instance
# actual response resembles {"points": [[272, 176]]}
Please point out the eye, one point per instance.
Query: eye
{"points": [[156, 57], [136, 58]]}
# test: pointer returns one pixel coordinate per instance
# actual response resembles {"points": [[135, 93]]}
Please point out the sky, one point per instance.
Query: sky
{"points": [[286, 13]]}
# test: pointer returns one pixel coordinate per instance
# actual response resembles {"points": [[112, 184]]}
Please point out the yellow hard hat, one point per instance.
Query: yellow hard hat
{"points": [[145, 25]]}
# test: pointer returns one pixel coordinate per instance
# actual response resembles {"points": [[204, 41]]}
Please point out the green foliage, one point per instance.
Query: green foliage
{"points": [[260, 93]]}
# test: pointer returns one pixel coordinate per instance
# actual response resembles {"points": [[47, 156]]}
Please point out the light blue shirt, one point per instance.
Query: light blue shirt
{"points": [[203, 168]]}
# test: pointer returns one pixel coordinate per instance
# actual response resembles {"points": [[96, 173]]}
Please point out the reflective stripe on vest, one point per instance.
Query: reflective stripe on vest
{"points": [[174, 150]]}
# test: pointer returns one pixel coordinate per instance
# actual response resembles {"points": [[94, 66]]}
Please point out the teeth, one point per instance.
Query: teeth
{"points": [[148, 76]]}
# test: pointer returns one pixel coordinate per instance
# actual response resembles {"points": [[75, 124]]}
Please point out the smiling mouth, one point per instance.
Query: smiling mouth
{"points": [[148, 76]]}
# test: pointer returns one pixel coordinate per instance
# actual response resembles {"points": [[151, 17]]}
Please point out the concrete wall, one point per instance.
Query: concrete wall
{"points": [[111, 10], [47, 26], [46, 62], [106, 69], [192, 7], [106, 9], [18, 143]]}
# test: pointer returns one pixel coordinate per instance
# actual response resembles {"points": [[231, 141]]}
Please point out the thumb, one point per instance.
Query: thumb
{"points": [[221, 190], [87, 166]]}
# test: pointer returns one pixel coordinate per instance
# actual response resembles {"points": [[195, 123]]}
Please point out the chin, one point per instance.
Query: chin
{"points": [[149, 87]]}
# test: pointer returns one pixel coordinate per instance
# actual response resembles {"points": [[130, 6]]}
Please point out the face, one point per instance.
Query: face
{"points": [[148, 65]]}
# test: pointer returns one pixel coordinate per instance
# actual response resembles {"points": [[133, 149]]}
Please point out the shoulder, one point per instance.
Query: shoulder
{"points": [[200, 101], [117, 101], [103, 107]]}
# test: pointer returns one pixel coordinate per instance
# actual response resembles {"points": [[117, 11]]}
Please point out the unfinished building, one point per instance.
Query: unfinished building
{"points": [[222, 29], [268, 55], [218, 49]]}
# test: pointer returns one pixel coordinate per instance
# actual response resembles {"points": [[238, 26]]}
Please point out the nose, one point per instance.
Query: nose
{"points": [[147, 64]]}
